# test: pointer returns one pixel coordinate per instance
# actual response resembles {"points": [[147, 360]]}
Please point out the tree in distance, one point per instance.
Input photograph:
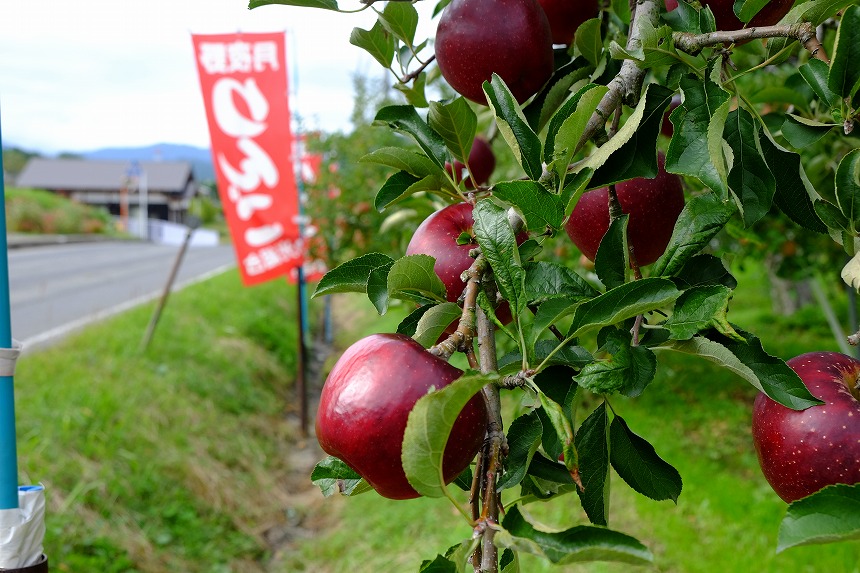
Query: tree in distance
{"points": [[801, 452], [512, 38], [365, 404], [653, 205], [565, 16], [482, 160], [726, 19]]}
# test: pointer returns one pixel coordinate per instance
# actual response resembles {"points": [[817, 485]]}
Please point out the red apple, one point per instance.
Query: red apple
{"points": [[481, 160], [366, 401], [512, 38], [565, 16], [653, 206], [801, 452], [725, 17]]}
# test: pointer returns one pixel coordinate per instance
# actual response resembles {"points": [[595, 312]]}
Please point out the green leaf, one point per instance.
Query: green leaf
{"points": [[351, 276], [637, 157], [792, 196], [802, 134], [701, 219], [404, 118], [818, 11], [702, 270], [560, 117], [751, 181], [439, 564], [378, 42], [648, 115], [783, 94], [409, 325], [686, 18], [637, 463], [557, 419], [324, 4], [844, 76], [628, 370], [815, 73], [749, 361], [589, 40], [514, 128], [455, 122], [403, 160], [546, 102], [433, 323], [612, 261], [581, 543], [829, 515], [696, 148], [332, 476], [539, 207], [621, 303], [570, 130], [499, 245], [848, 187], [377, 288], [546, 280], [395, 188], [524, 437], [401, 19], [415, 94], [701, 308], [831, 215], [745, 10], [592, 443], [412, 277], [427, 430]]}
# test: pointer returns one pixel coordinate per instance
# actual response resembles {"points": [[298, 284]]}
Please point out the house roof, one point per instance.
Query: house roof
{"points": [[99, 175]]}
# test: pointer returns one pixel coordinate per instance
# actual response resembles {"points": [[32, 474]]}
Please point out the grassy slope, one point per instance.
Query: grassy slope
{"points": [[697, 416]]}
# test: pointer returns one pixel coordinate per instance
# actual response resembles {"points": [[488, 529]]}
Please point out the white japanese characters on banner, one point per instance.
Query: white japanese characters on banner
{"points": [[244, 83]]}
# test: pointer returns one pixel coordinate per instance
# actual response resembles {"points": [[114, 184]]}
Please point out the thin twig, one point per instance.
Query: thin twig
{"points": [[803, 32]]}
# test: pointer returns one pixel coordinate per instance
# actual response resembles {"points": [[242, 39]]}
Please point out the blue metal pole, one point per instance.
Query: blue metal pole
{"points": [[8, 444]]}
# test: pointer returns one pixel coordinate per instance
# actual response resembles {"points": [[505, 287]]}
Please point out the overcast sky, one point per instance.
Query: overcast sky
{"points": [[79, 75]]}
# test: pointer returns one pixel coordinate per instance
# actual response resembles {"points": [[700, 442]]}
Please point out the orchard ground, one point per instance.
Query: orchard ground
{"points": [[188, 457]]}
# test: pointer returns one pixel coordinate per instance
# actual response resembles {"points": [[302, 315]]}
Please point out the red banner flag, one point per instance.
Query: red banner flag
{"points": [[244, 83]]}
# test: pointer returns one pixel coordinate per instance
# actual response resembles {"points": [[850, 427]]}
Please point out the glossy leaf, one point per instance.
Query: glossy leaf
{"points": [[395, 188], [498, 244], [433, 323], [351, 276], [377, 288], [701, 308], [848, 187], [581, 543], [409, 325], [696, 148], [749, 178], [333, 476], [570, 130], [702, 270], [415, 93], [401, 19], [589, 40], [749, 361], [524, 438], [378, 42], [612, 259], [701, 219], [745, 10], [802, 134], [815, 72], [555, 92], [402, 159], [829, 515], [545, 280], [455, 122], [404, 118], [592, 443], [560, 117], [539, 207], [412, 277], [514, 128], [637, 463], [628, 369], [844, 76], [427, 430]]}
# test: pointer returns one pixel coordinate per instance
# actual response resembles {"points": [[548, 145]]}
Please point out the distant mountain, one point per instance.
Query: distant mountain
{"points": [[199, 157]]}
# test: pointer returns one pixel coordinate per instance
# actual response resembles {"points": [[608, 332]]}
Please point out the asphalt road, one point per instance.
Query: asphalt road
{"points": [[57, 289]]}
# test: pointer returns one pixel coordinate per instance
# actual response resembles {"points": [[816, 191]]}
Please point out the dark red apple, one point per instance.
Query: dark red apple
{"points": [[565, 16], [482, 160], [667, 128], [801, 452], [512, 38], [653, 206], [725, 17], [366, 401]]}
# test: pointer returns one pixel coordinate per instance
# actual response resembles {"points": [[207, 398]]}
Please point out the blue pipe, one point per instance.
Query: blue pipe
{"points": [[8, 445]]}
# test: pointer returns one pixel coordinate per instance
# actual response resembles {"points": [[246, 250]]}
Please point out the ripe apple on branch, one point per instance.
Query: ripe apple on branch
{"points": [[582, 125]]}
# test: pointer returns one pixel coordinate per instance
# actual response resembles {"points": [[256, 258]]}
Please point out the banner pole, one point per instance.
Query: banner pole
{"points": [[301, 378], [8, 443]]}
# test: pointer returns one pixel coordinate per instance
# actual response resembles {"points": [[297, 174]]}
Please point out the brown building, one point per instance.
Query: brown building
{"points": [[163, 187]]}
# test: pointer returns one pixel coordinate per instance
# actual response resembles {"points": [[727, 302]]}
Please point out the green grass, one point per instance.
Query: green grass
{"points": [[40, 211]]}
